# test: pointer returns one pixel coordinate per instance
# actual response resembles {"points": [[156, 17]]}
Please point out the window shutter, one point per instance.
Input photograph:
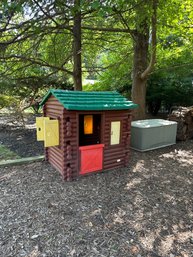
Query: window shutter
{"points": [[51, 133], [40, 127], [115, 132]]}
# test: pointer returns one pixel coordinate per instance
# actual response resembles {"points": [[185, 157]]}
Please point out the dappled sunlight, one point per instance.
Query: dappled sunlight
{"points": [[95, 212], [19, 138], [119, 216], [183, 236], [147, 232], [139, 167], [169, 198], [152, 236], [7, 176], [184, 157], [184, 180], [134, 182], [138, 223], [144, 209], [166, 245], [147, 241], [34, 253]]}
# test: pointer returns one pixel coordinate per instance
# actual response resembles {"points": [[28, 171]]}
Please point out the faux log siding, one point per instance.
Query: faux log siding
{"points": [[57, 166], [55, 155], [56, 152], [53, 159], [72, 139], [116, 155]]}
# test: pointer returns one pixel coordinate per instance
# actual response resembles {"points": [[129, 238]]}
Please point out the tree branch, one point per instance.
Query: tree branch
{"points": [[37, 61], [174, 67], [124, 22], [42, 78], [153, 41], [46, 14], [106, 29]]}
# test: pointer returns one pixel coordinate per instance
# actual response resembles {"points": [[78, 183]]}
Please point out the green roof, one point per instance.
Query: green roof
{"points": [[90, 101]]}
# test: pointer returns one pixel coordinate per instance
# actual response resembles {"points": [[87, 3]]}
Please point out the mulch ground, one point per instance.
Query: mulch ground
{"points": [[19, 138], [145, 209]]}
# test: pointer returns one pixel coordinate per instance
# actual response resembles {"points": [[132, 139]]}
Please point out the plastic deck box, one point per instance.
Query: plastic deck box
{"points": [[153, 133]]}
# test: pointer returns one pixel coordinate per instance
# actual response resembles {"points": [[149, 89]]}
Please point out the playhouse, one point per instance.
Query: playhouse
{"points": [[85, 132]]}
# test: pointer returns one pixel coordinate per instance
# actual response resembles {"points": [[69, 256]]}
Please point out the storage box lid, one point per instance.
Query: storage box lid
{"points": [[151, 123]]}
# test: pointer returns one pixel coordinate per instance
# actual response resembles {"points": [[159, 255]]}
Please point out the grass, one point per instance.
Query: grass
{"points": [[6, 154]]}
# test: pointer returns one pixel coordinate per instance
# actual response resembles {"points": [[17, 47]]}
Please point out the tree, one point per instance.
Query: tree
{"points": [[30, 31], [141, 69], [142, 21], [77, 46], [45, 23], [136, 19]]}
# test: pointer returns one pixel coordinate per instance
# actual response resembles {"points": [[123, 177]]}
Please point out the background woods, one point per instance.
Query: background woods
{"points": [[121, 45]]}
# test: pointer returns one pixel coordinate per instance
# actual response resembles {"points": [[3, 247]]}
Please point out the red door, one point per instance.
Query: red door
{"points": [[91, 158]]}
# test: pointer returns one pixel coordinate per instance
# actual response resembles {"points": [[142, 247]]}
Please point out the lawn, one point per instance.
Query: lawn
{"points": [[6, 154]]}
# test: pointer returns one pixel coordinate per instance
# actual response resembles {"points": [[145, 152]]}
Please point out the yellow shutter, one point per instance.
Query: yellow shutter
{"points": [[88, 124], [51, 133], [40, 127], [115, 132]]}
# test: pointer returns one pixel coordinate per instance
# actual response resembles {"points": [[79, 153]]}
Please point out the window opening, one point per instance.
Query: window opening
{"points": [[88, 124], [89, 129]]}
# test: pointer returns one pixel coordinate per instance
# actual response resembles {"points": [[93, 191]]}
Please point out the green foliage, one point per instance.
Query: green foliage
{"points": [[40, 55], [7, 101], [171, 83], [114, 65], [168, 91]]}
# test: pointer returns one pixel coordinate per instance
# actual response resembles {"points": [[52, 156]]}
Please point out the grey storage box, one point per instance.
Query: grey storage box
{"points": [[151, 134]]}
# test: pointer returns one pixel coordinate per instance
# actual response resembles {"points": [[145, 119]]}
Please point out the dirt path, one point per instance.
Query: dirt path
{"points": [[143, 210]]}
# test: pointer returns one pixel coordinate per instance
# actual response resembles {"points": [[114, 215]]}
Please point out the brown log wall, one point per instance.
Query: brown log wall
{"points": [[70, 135], [117, 155]]}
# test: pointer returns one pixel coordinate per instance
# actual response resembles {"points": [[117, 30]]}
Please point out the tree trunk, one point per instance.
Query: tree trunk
{"points": [[141, 70], [139, 65], [138, 97], [77, 69]]}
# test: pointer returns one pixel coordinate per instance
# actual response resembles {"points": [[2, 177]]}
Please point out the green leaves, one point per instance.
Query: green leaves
{"points": [[95, 5], [41, 33]]}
